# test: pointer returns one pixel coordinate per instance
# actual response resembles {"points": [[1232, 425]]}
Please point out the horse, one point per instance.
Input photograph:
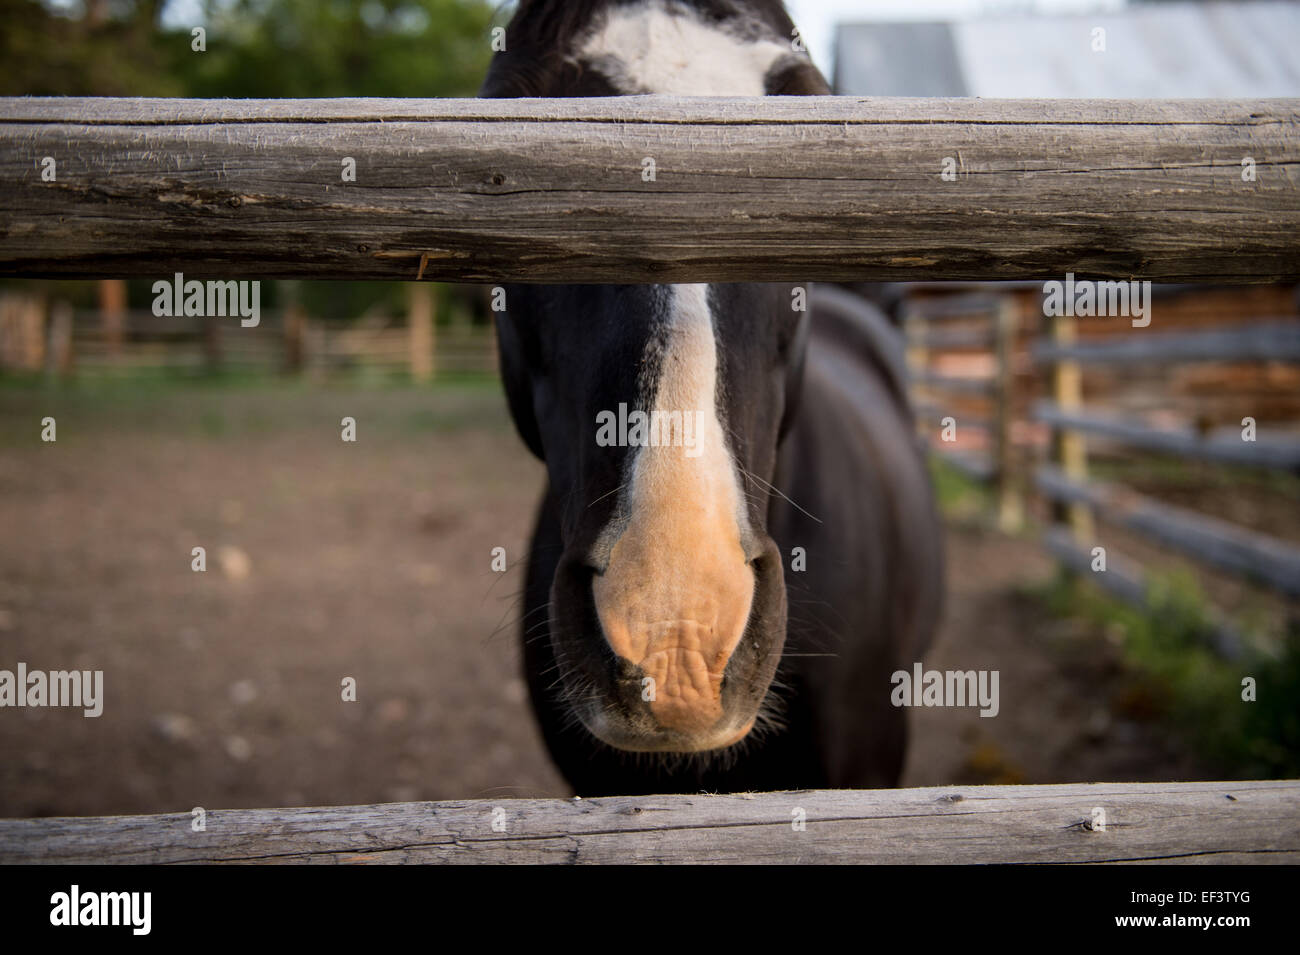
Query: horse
{"points": [[737, 545]]}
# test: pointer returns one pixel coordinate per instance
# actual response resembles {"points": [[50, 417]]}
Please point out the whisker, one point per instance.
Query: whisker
{"points": [[607, 494], [776, 490]]}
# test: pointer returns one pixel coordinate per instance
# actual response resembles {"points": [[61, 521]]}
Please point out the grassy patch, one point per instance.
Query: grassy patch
{"points": [[961, 498], [231, 407], [1178, 678]]}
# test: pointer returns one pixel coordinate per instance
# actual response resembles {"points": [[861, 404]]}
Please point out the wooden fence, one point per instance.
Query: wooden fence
{"points": [[938, 395], [37, 335], [986, 339], [1229, 822], [660, 189], [1080, 502]]}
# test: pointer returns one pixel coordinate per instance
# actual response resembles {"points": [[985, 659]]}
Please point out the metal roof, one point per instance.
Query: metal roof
{"points": [[1152, 50]]}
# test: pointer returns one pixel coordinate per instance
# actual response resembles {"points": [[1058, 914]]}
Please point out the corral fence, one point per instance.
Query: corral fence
{"points": [[662, 189], [1213, 378], [1254, 555], [43, 334], [978, 396], [1098, 823]]}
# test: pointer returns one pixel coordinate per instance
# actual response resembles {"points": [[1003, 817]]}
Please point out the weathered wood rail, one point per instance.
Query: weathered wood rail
{"points": [[1223, 447], [1233, 822], [1211, 540], [771, 188]]}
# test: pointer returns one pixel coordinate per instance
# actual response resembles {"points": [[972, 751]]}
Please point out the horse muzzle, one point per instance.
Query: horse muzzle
{"points": [[674, 657]]}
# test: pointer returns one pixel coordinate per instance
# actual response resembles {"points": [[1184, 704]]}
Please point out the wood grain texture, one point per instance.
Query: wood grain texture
{"points": [[1145, 822], [773, 188]]}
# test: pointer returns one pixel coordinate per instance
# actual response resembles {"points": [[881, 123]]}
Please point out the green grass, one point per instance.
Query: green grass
{"points": [[1197, 693], [961, 498], [230, 406], [1166, 647]]}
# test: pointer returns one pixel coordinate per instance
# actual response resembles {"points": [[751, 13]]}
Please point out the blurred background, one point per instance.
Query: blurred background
{"points": [[373, 560]]}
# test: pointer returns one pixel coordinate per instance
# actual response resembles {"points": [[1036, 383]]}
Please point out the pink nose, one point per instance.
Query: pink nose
{"points": [[675, 599]]}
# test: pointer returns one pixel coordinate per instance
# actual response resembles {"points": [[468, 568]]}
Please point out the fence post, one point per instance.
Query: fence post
{"points": [[1069, 451], [58, 340], [295, 323], [112, 314], [420, 327], [23, 331], [1010, 506]]}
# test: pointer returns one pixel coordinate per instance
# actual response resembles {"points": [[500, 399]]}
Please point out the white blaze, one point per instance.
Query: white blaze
{"points": [[664, 49], [688, 382], [661, 47], [676, 593]]}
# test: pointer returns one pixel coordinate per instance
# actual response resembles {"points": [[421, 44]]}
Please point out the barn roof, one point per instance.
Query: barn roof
{"points": [[1152, 50]]}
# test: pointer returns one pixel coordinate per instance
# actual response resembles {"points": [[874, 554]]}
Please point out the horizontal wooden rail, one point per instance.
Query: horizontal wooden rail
{"points": [[952, 338], [1226, 447], [964, 386], [637, 189], [965, 305], [1122, 578], [1266, 340], [1127, 581], [1267, 560], [1149, 822]]}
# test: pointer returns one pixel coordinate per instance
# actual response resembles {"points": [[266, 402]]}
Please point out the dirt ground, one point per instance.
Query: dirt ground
{"points": [[371, 560]]}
